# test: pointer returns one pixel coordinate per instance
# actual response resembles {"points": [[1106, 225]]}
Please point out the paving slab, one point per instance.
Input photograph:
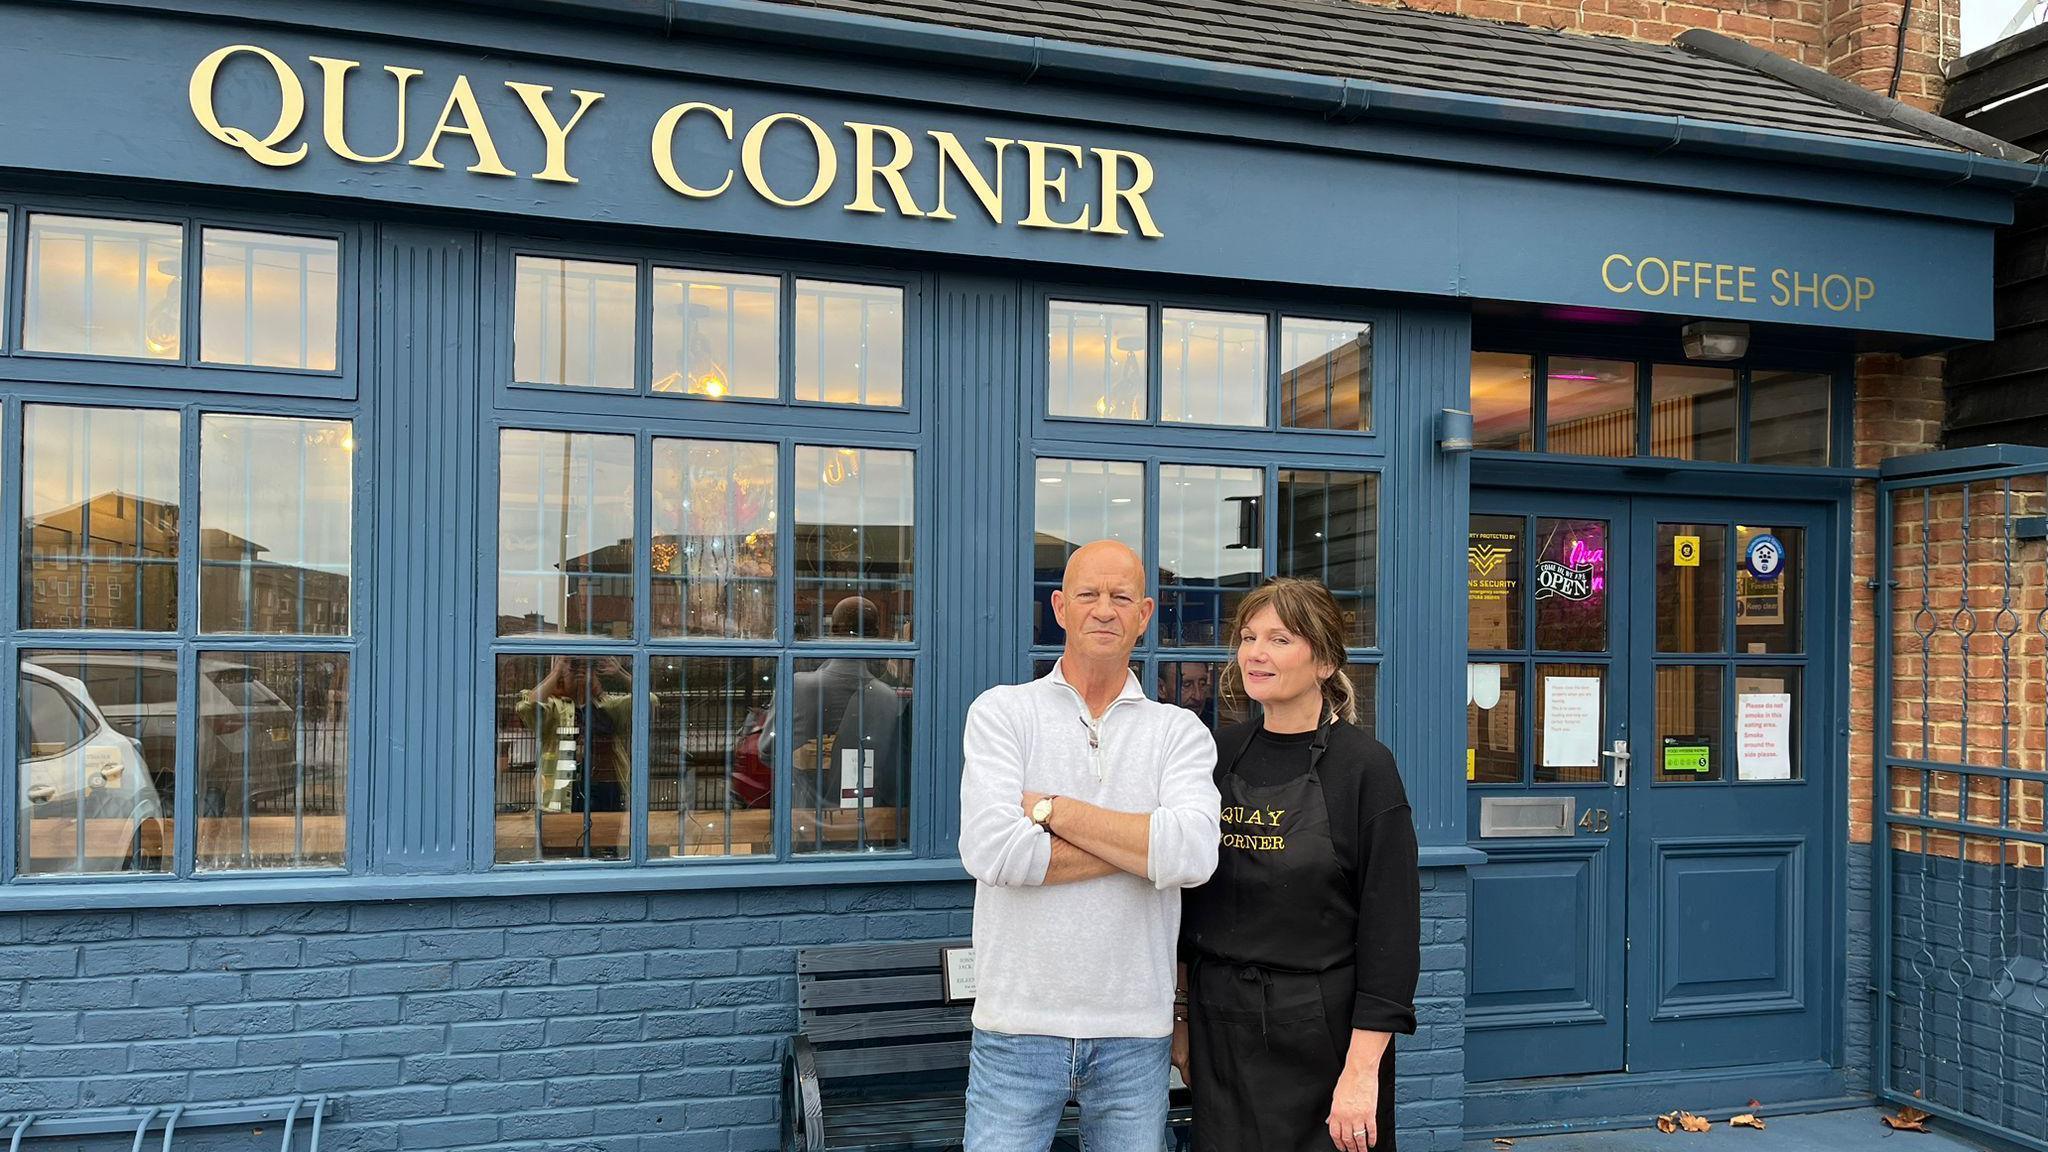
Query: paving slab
{"points": [[1854, 1130]]}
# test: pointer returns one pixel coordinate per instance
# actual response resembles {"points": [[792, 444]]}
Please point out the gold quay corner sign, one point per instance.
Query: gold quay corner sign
{"points": [[890, 171]]}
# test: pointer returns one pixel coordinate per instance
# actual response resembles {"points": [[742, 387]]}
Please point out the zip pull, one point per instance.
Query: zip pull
{"points": [[1094, 746]]}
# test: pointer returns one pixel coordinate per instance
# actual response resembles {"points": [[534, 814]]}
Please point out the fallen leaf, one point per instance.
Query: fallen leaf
{"points": [[1667, 1123], [1692, 1123], [1746, 1120], [1502, 1143], [1908, 1120]]}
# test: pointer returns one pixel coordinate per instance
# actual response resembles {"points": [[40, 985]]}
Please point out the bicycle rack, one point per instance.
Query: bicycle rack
{"points": [[172, 1120]]}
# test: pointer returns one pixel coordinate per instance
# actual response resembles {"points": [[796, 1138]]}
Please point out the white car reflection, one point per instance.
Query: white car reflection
{"points": [[74, 764]]}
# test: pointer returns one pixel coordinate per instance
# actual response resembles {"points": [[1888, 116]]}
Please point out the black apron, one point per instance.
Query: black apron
{"points": [[1273, 940]]}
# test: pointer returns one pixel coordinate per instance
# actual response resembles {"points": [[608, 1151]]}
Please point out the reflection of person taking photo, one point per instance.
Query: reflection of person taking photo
{"points": [[839, 709], [583, 705]]}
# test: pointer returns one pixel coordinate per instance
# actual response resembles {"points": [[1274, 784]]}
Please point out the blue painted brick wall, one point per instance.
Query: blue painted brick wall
{"points": [[1969, 1006], [596, 1023]]}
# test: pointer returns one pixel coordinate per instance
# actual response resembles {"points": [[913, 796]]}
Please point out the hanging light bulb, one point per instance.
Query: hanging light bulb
{"points": [[160, 335]]}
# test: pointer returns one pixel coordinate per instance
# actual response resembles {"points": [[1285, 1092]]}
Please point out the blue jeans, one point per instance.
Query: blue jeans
{"points": [[1017, 1087]]}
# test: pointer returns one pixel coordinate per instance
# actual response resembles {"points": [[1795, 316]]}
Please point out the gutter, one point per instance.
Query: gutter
{"points": [[1031, 59]]}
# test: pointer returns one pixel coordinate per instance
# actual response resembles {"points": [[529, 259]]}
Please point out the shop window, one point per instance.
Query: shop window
{"points": [[1097, 361], [1589, 407], [810, 716], [1208, 549], [269, 300], [100, 287], [1692, 412], [1789, 418], [253, 733], [1325, 374], [849, 344], [573, 322], [6, 320], [716, 335], [1502, 417], [1212, 367], [275, 531], [100, 506]]}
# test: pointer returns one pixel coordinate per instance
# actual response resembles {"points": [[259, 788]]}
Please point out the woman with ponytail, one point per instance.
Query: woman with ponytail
{"points": [[1300, 954]]}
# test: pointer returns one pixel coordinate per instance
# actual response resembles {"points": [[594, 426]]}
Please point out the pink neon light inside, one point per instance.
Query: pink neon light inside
{"points": [[1581, 556]]}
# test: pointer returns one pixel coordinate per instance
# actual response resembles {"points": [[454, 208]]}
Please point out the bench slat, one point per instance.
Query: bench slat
{"points": [[838, 1062], [873, 957], [860, 991], [833, 1027]]}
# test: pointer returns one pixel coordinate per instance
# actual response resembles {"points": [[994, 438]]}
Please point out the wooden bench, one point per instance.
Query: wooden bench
{"points": [[880, 1059]]}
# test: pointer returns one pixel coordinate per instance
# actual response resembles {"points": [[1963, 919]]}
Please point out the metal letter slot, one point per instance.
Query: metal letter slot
{"points": [[1503, 816]]}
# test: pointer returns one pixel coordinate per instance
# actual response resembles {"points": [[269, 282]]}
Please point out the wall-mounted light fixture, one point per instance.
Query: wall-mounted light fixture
{"points": [[1715, 339], [1453, 430]]}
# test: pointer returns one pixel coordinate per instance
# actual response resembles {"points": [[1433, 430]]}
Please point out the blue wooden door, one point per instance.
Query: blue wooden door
{"points": [[1648, 687], [1727, 849], [1548, 697]]}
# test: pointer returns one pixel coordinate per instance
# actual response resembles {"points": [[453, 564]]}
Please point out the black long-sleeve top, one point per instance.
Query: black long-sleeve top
{"points": [[1373, 833]]}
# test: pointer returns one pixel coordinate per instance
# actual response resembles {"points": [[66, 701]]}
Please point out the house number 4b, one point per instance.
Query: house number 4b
{"points": [[1595, 820]]}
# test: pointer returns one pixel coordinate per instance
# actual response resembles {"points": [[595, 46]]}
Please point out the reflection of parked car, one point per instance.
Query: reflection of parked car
{"points": [[243, 726], [75, 764]]}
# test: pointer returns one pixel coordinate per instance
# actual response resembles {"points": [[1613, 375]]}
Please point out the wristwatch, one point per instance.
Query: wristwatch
{"points": [[1041, 812]]}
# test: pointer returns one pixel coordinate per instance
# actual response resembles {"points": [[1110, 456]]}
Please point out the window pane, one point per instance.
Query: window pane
{"points": [[1493, 723], [1501, 412], [574, 322], [849, 343], [6, 325], [710, 766], [1591, 407], [564, 758], [275, 524], [717, 334], [269, 300], [565, 534], [714, 539], [105, 287], [1770, 612], [1788, 418], [1692, 579], [1330, 531], [1571, 721], [849, 736], [1096, 366], [1212, 367], [1197, 685], [273, 759], [1325, 374], [1689, 746], [99, 518], [1210, 549], [1493, 583], [1571, 585], [95, 747], [1078, 502], [1365, 681], [1692, 412], [1768, 730], [855, 527]]}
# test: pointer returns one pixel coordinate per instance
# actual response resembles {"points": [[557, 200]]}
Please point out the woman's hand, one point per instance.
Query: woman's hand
{"points": [[1355, 1108], [1180, 1052]]}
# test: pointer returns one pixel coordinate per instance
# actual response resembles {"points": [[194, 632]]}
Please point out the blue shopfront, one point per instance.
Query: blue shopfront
{"points": [[507, 507]]}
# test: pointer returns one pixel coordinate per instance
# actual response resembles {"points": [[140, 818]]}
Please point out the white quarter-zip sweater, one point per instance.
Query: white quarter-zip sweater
{"points": [[1095, 958]]}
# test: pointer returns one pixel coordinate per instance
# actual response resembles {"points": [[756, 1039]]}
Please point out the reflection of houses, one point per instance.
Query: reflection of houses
{"points": [[112, 562], [106, 562]]}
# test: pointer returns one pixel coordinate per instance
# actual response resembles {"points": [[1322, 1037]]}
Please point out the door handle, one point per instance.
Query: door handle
{"points": [[1619, 754]]}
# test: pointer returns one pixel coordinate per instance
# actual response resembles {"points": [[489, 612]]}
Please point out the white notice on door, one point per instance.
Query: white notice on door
{"points": [[1763, 724], [1571, 722]]}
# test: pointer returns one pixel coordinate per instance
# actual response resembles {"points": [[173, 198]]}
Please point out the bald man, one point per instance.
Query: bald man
{"points": [[1085, 808]]}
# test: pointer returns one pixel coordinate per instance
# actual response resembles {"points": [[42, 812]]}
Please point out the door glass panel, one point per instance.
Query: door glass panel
{"points": [[1692, 412], [1767, 728], [1501, 410], [1493, 723], [1692, 581], [1769, 602], [1571, 707], [1493, 583], [1689, 747], [1210, 552], [1571, 585], [1590, 407]]}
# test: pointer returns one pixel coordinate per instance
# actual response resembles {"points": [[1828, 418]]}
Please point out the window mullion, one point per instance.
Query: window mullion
{"points": [[781, 769], [642, 576]]}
